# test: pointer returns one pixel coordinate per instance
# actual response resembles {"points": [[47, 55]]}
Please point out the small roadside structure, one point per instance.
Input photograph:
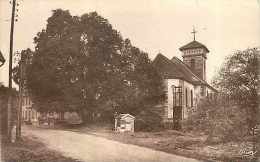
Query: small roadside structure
{"points": [[124, 123]]}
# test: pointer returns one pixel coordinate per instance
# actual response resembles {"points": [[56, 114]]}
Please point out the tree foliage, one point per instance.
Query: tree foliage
{"points": [[222, 121], [84, 64], [236, 109], [26, 56], [239, 80]]}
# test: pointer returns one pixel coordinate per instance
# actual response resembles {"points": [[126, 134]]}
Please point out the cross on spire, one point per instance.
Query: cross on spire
{"points": [[194, 33]]}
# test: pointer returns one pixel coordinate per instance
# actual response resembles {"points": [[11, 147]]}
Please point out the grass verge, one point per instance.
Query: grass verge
{"points": [[29, 149], [175, 142]]}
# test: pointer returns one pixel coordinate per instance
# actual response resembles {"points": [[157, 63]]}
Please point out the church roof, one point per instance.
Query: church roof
{"points": [[192, 45], [166, 67], [176, 69], [188, 74]]}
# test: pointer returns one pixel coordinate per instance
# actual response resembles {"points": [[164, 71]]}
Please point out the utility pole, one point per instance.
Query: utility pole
{"points": [[19, 111], [9, 106]]}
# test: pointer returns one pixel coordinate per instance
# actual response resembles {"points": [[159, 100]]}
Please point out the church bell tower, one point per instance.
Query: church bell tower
{"points": [[194, 55]]}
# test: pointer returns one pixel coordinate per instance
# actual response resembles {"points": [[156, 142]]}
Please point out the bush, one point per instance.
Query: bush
{"points": [[148, 121], [221, 122]]}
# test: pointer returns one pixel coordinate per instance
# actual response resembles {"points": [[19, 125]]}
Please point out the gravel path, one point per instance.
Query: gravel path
{"points": [[89, 148]]}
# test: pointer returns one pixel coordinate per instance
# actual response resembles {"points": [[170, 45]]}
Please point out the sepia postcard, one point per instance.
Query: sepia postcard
{"points": [[129, 81]]}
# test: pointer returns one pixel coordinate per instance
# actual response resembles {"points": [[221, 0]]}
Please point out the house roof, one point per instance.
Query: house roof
{"points": [[176, 69], [192, 45], [122, 116]]}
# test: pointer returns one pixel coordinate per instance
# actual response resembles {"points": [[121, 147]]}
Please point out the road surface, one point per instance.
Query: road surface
{"points": [[89, 148]]}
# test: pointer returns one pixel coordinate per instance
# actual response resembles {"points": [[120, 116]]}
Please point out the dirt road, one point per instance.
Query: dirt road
{"points": [[89, 148]]}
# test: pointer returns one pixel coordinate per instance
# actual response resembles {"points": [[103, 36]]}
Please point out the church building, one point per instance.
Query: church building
{"points": [[185, 81]]}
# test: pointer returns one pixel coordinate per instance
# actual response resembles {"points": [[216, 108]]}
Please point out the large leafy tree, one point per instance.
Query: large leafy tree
{"points": [[51, 70], [235, 110], [82, 63], [238, 79], [142, 83], [100, 61]]}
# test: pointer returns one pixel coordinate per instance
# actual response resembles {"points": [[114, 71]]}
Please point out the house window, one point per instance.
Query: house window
{"points": [[26, 115], [204, 68], [33, 114], [24, 101], [191, 98], [192, 63]]}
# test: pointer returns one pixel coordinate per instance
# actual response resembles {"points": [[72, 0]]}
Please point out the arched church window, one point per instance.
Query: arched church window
{"points": [[177, 96], [204, 68], [191, 98], [173, 92], [202, 91], [186, 96]]}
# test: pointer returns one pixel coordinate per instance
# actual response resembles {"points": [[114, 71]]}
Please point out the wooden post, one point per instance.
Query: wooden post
{"points": [[9, 117], [19, 112], [116, 122]]}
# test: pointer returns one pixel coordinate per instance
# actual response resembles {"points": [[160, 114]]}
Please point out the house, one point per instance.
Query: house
{"points": [[185, 81], [31, 116], [29, 113]]}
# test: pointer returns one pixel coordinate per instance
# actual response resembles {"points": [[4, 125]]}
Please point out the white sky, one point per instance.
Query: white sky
{"points": [[152, 25]]}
